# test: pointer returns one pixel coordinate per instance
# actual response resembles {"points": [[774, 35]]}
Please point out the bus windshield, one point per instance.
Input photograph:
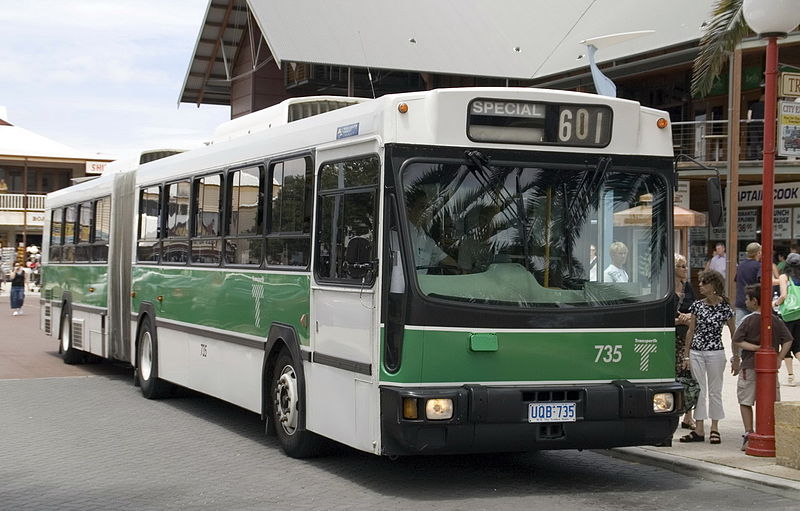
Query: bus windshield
{"points": [[537, 234]]}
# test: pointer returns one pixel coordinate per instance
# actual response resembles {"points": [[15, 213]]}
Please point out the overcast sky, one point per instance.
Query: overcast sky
{"points": [[103, 76]]}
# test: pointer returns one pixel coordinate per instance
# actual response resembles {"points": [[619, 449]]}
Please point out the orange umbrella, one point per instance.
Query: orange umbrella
{"points": [[642, 215]]}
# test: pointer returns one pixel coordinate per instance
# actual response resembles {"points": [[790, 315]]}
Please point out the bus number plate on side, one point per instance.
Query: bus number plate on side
{"points": [[551, 412]]}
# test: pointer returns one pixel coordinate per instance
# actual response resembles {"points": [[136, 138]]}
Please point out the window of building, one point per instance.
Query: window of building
{"points": [[347, 209], [244, 244], [289, 237], [148, 249]]}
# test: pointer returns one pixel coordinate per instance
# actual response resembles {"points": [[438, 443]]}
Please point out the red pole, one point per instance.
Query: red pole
{"points": [[762, 442]]}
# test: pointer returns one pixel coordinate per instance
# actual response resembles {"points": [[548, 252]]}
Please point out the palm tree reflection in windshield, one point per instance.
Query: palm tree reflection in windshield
{"points": [[521, 234]]}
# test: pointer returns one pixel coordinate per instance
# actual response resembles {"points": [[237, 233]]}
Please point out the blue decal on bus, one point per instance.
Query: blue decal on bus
{"points": [[350, 130]]}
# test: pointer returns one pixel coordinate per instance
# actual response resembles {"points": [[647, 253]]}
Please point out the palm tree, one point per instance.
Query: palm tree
{"points": [[722, 34]]}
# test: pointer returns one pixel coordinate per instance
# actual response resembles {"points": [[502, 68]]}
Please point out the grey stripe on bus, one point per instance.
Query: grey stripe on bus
{"points": [[220, 336], [342, 363], [88, 308]]}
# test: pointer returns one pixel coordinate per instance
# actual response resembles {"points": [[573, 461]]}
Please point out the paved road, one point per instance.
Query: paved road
{"points": [[91, 442]]}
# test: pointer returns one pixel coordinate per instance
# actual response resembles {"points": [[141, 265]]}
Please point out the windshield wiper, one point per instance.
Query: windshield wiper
{"points": [[481, 162]]}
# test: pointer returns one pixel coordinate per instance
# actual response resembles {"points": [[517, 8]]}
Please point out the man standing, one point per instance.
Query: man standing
{"points": [[718, 261], [747, 273]]}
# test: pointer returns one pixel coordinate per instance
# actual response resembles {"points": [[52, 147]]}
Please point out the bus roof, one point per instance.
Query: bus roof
{"points": [[435, 117]]}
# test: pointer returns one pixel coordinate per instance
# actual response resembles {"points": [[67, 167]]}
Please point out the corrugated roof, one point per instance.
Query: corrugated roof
{"points": [[516, 39]]}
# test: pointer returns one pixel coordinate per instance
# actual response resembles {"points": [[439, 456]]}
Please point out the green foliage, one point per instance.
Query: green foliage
{"points": [[722, 34]]}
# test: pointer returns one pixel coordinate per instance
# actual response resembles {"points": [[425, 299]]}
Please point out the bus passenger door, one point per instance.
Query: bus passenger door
{"points": [[341, 395]]}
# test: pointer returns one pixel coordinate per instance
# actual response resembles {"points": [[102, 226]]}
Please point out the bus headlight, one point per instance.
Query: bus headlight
{"points": [[663, 402], [439, 409]]}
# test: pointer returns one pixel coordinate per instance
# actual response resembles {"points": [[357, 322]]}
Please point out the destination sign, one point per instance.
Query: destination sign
{"points": [[507, 108], [539, 123]]}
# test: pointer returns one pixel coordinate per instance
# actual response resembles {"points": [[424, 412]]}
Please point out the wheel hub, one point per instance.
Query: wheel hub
{"points": [[65, 333], [146, 355], [286, 400]]}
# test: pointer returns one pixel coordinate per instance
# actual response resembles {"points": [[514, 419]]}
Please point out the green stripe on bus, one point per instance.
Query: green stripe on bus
{"points": [[445, 356], [78, 280], [234, 300]]}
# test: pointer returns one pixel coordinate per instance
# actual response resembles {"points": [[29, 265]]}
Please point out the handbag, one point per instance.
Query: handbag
{"points": [[790, 308]]}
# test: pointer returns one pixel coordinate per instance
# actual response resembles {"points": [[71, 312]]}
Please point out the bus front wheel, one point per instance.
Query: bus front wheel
{"points": [[147, 367], [288, 404], [68, 353]]}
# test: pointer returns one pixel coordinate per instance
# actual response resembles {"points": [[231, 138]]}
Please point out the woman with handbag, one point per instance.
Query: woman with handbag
{"points": [[685, 298], [789, 303]]}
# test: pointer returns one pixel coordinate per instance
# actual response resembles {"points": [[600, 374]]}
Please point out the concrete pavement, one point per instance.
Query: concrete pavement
{"points": [[25, 352]]}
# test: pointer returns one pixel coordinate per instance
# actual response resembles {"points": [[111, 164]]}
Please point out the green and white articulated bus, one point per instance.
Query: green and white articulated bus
{"points": [[412, 274]]}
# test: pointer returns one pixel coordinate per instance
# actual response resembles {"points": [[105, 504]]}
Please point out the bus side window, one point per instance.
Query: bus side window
{"points": [[148, 248], [175, 244], [207, 223], [70, 217], [244, 242], [347, 210], [56, 234], [83, 251], [289, 227], [101, 229]]}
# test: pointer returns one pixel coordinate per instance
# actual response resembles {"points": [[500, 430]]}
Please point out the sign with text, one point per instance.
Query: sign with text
{"points": [[790, 85], [747, 224], [788, 128], [95, 167], [682, 195], [35, 219], [720, 232], [782, 224], [786, 194], [796, 222]]}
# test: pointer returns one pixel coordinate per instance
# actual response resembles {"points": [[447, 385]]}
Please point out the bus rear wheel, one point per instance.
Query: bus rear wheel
{"points": [[288, 406], [69, 354], [147, 363]]}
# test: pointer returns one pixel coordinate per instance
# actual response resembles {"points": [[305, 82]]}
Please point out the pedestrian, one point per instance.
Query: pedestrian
{"points": [[705, 354], [18, 278], [718, 261], [748, 272], [789, 279], [747, 338], [685, 298], [615, 271]]}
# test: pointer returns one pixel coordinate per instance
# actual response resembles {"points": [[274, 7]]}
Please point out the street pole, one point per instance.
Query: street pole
{"points": [[762, 442]]}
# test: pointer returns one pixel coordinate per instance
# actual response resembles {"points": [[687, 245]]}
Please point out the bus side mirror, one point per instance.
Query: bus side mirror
{"points": [[716, 210]]}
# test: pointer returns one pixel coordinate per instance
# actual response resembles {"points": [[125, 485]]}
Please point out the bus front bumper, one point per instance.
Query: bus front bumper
{"points": [[496, 419]]}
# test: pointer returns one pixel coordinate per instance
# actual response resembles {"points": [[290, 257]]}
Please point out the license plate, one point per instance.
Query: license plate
{"points": [[551, 412]]}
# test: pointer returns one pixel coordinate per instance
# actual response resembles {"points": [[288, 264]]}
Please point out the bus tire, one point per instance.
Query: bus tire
{"points": [[69, 354], [147, 363], [287, 406]]}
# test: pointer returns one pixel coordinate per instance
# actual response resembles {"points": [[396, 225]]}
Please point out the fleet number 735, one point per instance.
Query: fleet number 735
{"points": [[608, 353]]}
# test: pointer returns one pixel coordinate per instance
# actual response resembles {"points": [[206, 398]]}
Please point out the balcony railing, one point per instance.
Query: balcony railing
{"points": [[708, 140], [16, 202]]}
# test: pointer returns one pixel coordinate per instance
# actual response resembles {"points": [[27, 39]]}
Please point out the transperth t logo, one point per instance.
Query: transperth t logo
{"points": [[257, 293], [645, 347]]}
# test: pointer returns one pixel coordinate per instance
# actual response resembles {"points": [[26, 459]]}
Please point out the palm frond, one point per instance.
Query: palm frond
{"points": [[722, 34]]}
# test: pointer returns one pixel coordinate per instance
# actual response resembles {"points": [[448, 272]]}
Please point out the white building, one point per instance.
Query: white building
{"points": [[30, 167]]}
